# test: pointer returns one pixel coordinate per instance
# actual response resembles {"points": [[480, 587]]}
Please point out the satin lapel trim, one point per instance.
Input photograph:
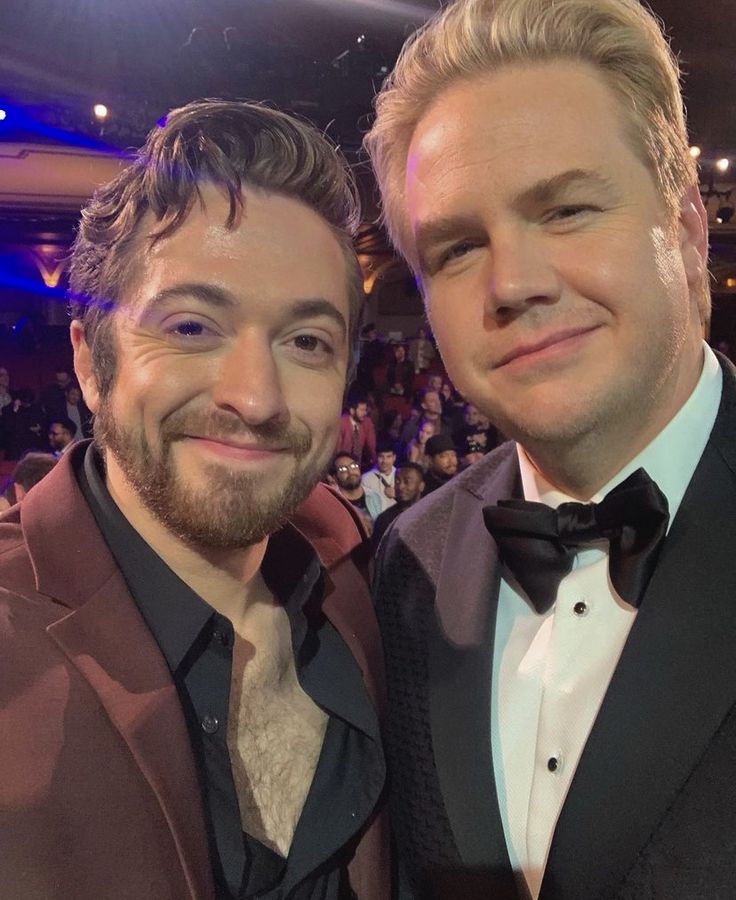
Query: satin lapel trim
{"points": [[108, 642], [460, 644], [675, 682]]}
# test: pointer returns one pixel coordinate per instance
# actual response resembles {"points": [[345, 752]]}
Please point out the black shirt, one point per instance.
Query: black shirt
{"points": [[383, 521], [197, 644]]}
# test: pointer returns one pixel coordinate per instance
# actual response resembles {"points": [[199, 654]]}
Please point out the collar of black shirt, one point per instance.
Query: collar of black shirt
{"points": [[291, 570]]}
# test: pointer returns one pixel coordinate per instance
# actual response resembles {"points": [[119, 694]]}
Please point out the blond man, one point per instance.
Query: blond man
{"points": [[561, 641]]}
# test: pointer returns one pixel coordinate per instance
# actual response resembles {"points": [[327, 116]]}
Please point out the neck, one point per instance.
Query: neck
{"points": [[229, 580], [352, 493]]}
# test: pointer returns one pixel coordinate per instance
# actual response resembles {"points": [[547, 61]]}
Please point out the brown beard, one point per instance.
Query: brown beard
{"points": [[233, 509]]}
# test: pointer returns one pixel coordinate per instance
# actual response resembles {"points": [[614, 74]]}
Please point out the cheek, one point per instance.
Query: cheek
{"points": [[318, 408], [146, 394], [456, 317]]}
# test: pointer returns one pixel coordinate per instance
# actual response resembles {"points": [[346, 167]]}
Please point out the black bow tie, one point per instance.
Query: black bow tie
{"points": [[538, 543]]}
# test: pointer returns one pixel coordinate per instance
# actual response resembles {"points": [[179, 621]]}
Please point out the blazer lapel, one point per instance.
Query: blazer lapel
{"points": [[102, 633], [460, 646], [675, 682]]}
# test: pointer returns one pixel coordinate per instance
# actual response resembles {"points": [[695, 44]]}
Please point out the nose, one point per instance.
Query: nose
{"points": [[248, 381], [520, 275]]}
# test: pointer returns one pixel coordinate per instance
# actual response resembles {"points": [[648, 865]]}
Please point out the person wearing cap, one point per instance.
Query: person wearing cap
{"points": [[442, 456]]}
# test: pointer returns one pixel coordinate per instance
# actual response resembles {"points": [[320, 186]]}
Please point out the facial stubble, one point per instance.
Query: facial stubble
{"points": [[228, 508]]}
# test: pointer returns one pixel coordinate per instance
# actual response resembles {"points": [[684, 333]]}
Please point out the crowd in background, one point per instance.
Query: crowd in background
{"points": [[36, 431], [405, 430]]}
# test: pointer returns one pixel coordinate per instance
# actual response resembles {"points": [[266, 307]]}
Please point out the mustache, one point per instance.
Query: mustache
{"points": [[217, 425]]}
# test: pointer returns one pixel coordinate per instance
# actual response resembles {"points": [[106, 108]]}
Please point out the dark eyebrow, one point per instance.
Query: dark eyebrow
{"points": [[317, 306], [542, 192], [215, 296], [206, 293]]}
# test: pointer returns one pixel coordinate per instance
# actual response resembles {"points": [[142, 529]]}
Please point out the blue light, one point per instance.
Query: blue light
{"points": [[3, 115]]}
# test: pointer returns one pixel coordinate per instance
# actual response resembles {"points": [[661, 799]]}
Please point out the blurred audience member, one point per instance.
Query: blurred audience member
{"points": [[357, 431], [53, 396], [409, 487], [435, 383], [61, 434], [371, 356], [430, 408], [380, 479], [5, 396], [390, 430], [6, 405], [474, 435], [30, 470], [24, 423], [421, 351], [7, 495], [443, 462], [400, 374], [75, 409], [416, 450], [346, 473]]}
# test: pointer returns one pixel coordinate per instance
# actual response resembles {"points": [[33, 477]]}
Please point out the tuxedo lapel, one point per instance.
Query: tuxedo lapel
{"points": [[675, 682], [460, 647]]}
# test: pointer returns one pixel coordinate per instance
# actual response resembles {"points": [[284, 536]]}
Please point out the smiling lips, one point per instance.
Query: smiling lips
{"points": [[555, 344], [244, 451]]}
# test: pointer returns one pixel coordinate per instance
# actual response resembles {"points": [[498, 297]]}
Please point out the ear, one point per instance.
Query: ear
{"points": [[83, 366], [693, 226]]}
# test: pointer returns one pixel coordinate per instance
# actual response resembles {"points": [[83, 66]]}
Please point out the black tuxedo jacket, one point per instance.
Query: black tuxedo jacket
{"points": [[651, 812]]}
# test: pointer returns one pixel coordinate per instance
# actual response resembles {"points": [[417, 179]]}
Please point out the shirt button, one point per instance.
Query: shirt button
{"points": [[554, 763], [580, 608], [221, 637], [210, 724]]}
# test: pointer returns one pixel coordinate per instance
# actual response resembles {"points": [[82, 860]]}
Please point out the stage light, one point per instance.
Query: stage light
{"points": [[723, 164], [695, 151], [3, 115], [101, 111]]}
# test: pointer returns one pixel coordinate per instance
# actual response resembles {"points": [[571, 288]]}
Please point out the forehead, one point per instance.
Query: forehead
{"points": [[278, 250], [510, 129]]}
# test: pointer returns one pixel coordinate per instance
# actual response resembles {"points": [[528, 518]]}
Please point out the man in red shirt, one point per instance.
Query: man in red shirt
{"points": [[357, 431]]}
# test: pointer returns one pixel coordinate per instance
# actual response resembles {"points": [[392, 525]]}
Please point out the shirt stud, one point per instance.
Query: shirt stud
{"points": [[210, 724]]}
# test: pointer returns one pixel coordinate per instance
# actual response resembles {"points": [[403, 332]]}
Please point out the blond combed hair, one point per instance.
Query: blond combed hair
{"points": [[620, 38]]}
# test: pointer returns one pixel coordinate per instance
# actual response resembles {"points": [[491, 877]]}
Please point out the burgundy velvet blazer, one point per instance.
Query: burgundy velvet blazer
{"points": [[99, 797]]}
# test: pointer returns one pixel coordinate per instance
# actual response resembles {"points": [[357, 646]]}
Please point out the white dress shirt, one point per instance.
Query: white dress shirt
{"points": [[551, 671]]}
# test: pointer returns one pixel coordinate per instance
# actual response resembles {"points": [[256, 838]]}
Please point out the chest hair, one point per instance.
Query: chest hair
{"points": [[275, 731]]}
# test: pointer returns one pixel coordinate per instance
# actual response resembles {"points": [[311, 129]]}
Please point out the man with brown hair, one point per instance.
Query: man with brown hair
{"points": [[189, 668], [559, 620]]}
